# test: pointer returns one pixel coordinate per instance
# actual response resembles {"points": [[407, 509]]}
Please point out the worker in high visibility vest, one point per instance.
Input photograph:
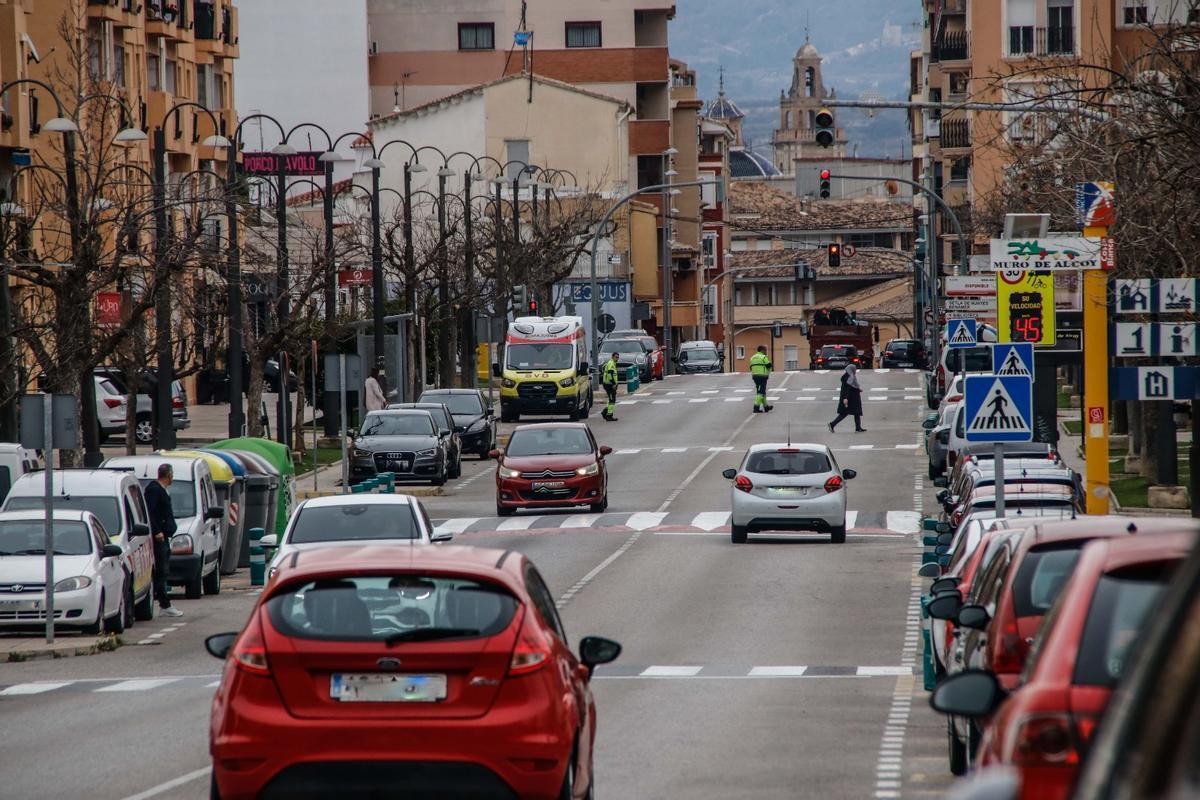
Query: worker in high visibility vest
{"points": [[608, 379], [760, 370]]}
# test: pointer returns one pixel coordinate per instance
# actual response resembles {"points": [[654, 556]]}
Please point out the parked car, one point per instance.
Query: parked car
{"points": [[1043, 728], [903, 353], [196, 546], [630, 353], [959, 360], [146, 386], [549, 465], [111, 409], [937, 439], [91, 589], [115, 499], [406, 443], [446, 431], [698, 356], [656, 352], [447, 667], [353, 519], [836, 356], [788, 487], [15, 461], [474, 419]]}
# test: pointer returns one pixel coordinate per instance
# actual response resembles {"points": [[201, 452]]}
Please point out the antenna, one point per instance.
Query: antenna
{"points": [[789, 433]]}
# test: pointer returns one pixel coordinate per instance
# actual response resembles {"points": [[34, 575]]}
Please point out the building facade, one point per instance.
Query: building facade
{"points": [[796, 136]]}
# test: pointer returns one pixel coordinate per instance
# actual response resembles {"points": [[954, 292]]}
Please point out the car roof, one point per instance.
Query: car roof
{"points": [[182, 466], [400, 411], [71, 481], [347, 559], [1174, 544], [37, 514], [1088, 527], [804, 447], [419, 405], [339, 500], [697, 343], [1023, 490], [541, 425], [449, 391]]}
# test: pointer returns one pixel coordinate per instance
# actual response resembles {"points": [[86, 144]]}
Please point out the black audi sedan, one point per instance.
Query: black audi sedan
{"points": [[405, 442], [474, 420]]}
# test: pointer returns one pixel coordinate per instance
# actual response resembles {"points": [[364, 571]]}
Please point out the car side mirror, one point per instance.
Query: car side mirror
{"points": [[945, 538], [943, 585], [943, 527], [218, 645], [941, 482], [729, 474], [495, 370], [491, 412], [139, 529], [596, 650], [440, 536], [495, 453], [929, 570], [111, 551], [849, 474], [605, 450], [584, 367], [941, 496], [444, 433], [214, 512], [970, 693], [929, 424], [945, 606], [270, 540], [941, 549], [975, 617], [944, 561]]}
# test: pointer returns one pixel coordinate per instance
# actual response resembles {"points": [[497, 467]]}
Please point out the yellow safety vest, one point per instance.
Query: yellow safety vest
{"points": [[760, 364]]}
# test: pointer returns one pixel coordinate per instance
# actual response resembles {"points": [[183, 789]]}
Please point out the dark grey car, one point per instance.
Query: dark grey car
{"points": [[446, 429], [474, 419], [404, 442]]}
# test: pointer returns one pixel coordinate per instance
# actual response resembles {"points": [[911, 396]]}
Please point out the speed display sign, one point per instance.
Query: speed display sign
{"points": [[1025, 307]]}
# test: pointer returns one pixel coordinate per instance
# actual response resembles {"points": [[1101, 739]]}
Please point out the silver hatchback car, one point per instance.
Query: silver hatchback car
{"points": [[789, 487]]}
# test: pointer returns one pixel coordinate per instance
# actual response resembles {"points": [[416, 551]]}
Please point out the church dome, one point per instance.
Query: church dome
{"points": [[748, 164], [724, 108], [807, 51]]}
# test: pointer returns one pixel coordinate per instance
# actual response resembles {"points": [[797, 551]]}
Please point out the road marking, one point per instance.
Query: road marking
{"points": [[700, 467], [878, 671], [456, 525], [674, 450], [709, 520], [733, 399], [33, 688], [212, 685], [812, 389], [862, 447], [743, 391], [137, 685], [903, 521], [670, 672], [516, 524], [596, 570], [877, 397], [719, 449], [468, 481], [660, 402], [906, 447], [851, 518], [645, 519], [162, 788], [628, 452], [698, 400], [777, 672], [580, 521], [709, 391], [913, 397], [670, 394]]}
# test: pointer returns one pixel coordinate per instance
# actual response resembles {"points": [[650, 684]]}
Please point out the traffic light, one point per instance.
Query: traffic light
{"points": [[825, 133], [519, 297], [533, 306], [777, 330], [824, 184], [835, 254]]}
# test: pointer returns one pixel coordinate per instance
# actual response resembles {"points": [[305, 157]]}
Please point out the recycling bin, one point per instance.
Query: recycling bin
{"points": [[237, 511], [258, 506]]}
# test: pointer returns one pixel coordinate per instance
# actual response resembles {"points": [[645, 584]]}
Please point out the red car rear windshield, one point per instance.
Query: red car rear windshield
{"points": [[1118, 610], [391, 608], [1041, 576]]}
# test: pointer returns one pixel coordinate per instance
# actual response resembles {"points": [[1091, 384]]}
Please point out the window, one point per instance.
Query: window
{"points": [[1135, 14], [476, 36], [1117, 613], [788, 462], [153, 73], [202, 75], [1041, 577], [95, 62], [1020, 27], [740, 351], [543, 601], [169, 77], [583, 34], [808, 82], [1060, 32], [118, 65], [516, 150], [351, 523]]}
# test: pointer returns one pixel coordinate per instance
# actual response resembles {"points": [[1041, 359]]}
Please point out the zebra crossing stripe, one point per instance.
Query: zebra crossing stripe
{"points": [[32, 688], [515, 524], [645, 519], [137, 685], [710, 520], [457, 525], [580, 521]]}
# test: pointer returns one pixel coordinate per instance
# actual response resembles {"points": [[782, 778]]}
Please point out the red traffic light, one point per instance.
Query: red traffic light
{"points": [[533, 306], [825, 174]]}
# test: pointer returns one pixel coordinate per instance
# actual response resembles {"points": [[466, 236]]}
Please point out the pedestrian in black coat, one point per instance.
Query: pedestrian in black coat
{"points": [[849, 400], [162, 528]]}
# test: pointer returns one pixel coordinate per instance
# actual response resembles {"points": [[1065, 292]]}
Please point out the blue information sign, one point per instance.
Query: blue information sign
{"points": [[999, 408]]}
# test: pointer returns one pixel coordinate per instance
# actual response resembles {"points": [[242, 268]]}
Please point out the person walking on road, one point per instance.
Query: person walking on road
{"points": [[375, 399], [850, 400], [162, 528], [760, 370], [609, 378]]}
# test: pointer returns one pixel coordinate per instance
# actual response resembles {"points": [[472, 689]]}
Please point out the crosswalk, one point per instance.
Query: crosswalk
{"points": [[110, 685], [675, 523], [633, 451], [666, 396]]}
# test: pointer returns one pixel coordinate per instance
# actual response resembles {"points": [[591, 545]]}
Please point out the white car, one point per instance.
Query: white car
{"points": [[789, 487], [111, 408], [91, 590], [353, 519]]}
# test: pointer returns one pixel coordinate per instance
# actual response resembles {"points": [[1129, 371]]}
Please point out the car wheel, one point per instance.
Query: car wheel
{"points": [[737, 533], [602, 506], [838, 534], [214, 791], [212, 581], [587, 409], [504, 511], [143, 611], [574, 415], [116, 624], [128, 609], [440, 478], [94, 628], [457, 471], [485, 454], [567, 792], [194, 588], [143, 429], [958, 751]]}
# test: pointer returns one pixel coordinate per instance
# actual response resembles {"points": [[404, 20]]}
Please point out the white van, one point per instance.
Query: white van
{"points": [[15, 461], [116, 500], [196, 546]]}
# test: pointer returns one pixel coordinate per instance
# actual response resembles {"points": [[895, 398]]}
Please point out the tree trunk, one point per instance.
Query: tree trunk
{"points": [[1148, 468], [1120, 418], [254, 393], [298, 411], [130, 420]]}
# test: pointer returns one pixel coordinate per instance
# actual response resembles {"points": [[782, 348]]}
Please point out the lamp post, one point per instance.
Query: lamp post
{"points": [[668, 175]]}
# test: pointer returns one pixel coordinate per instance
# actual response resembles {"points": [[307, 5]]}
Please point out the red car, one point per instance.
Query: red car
{"points": [[654, 351], [1043, 728], [550, 465], [440, 671]]}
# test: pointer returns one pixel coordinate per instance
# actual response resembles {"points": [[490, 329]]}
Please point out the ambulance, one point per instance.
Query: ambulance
{"points": [[545, 369]]}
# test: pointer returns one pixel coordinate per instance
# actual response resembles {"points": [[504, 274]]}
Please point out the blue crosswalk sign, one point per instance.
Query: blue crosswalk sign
{"points": [[999, 408], [961, 333], [1013, 358]]}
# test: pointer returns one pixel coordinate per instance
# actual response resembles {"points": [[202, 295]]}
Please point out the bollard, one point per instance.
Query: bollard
{"points": [[357, 488], [633, 379], [929, 524], [389, 485], [258, 558]]}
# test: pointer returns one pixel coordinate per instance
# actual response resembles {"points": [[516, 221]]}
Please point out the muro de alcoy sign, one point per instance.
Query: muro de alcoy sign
{"points": [[1047, 253]]}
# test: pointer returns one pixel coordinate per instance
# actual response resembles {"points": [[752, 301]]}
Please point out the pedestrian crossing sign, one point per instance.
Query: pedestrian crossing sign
{"points": [[999, 408], [1013, 359], [961, 333]]}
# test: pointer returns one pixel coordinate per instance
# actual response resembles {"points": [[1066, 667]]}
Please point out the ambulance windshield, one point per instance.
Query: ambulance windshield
{"points": [[549, 356]]}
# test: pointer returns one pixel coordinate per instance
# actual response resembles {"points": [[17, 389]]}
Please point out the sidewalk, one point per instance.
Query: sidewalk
{"points": [[66, 645], [210, 423]]}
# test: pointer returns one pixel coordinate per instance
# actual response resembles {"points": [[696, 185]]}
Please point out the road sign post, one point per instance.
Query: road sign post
{"points": [[341, 369]]}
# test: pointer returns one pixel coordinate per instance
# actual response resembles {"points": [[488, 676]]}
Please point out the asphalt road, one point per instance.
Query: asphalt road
{"points": [[787, 667]]}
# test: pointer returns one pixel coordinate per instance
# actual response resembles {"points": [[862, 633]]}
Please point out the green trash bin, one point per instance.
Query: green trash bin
{"points": [[280, 458], [633, 379]]}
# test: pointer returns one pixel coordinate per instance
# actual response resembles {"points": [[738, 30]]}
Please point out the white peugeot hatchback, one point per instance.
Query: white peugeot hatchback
{"points": [[789, 487]]}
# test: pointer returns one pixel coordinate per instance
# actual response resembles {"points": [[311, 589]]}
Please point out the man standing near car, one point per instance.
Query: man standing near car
{"points": [[162, 528], [608, 379], [760, 370]]}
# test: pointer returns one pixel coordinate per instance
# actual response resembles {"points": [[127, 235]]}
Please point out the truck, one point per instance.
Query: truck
{"points": [[544, 369], [838, 326]]}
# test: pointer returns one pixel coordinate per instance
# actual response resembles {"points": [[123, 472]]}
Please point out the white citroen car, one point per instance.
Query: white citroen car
{"points": [[353, 519], [789, 487]]}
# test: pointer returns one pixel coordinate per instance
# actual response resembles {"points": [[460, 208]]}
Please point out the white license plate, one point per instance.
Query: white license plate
{"points": [[374, 687], [788, 491], [549, 484], [19, 605]]}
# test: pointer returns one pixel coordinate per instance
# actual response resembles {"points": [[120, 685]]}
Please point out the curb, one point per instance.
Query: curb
{"points": [[102, 644]]}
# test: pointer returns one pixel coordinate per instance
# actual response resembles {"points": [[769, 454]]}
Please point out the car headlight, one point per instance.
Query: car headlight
{"points": [[432, 451], [477, 426], [360, 453], [73, 584], [566, 383], [508, 383], [181, 543], [590, 469], [505, 472], [640, 359]]}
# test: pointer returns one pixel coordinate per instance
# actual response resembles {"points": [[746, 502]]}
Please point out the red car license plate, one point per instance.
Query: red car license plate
{"points": [[549, 484]]}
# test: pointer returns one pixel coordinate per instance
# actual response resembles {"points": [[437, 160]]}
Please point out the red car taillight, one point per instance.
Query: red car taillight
{"points": [[743, 483], [176, 402], [1043, 740], [833, 484], [250, 650], [820, 360], [531, 651], [941, 378], [1011, 650], [112, 402]]}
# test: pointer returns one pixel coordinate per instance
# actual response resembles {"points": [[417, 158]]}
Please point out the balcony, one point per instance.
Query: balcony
{"points": [[954, 7], [1025, 41], [105, 9], [206, 19], [956, 134], [953, 46]]}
